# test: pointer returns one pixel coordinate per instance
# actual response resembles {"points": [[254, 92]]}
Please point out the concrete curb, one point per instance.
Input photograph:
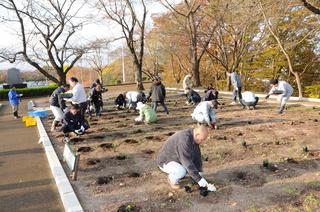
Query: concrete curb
{"points": [[67, 194]]}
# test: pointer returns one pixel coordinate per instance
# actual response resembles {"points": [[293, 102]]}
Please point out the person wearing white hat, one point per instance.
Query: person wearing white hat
{"points": [[146, 113]]}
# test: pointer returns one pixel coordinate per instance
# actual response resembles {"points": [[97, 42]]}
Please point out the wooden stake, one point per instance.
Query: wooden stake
{"points": [[75, 171]]}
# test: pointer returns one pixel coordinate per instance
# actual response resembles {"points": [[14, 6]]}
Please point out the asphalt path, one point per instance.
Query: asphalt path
{"points": [[26, 181]]}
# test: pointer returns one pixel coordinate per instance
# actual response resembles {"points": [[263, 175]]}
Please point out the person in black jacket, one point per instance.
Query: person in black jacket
{"points": [[58, 105], [192, 96], [120, 101], [73, 122], [158, 94], [95, 98]]}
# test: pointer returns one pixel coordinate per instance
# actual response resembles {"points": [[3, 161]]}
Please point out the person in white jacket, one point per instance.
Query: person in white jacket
{"points": [[283, 90], [79, 95], [249, 99], [205, 113], [133, 97], [187, 82]]}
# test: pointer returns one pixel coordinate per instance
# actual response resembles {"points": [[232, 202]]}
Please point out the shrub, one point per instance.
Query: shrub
{"points": [[313, 91], [29, 92]]}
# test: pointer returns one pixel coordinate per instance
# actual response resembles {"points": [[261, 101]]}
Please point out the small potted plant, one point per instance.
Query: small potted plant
{"points": [[203, 191], [265, 163], [224, 137], [305, 148], [277, 142], [128, 208], [121, 157], [244, 143], [188, 187], [249, 122], [205, 157], [315, 120]]}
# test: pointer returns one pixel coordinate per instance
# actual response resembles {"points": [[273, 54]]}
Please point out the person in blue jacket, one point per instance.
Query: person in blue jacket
{"points": [[73, 122], [14, 101]]}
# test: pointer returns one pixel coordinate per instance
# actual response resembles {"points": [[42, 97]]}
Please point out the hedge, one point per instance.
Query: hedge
{"points": [[29, 92]]}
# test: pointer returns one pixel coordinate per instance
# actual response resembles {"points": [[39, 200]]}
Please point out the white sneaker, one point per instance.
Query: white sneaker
{"points": [[233, 103], [187, 103]]}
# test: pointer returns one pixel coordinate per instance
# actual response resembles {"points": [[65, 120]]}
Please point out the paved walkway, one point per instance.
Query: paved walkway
{"points": [[26, 181]]}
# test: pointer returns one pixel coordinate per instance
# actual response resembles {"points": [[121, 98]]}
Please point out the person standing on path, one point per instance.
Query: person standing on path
{"points": [[187, 82], [79, 95], [58, 105], [181, 154], [237, 85], [158, 94], [283, 90], [14, 101]]}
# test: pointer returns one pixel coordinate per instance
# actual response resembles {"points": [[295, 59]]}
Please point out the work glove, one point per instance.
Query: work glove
{"points": [[20, 95], [237, 88], [203, 182], [138, 119], [82, 128], [211, 188], [79, 132], [211, 126], [65, 110], [267, 96]]}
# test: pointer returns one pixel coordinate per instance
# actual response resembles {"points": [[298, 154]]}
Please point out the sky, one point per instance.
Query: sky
{"points": [[91, 31]]}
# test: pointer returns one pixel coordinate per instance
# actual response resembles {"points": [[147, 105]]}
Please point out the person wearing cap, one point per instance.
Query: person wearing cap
{"points": [[79, 95], [237, 85], [58, 105], [192, 96], [205, 113], [133, 97], [187, 82], [249, 99], [95, 98], [283, 90], [147, 115], [181, 154], [158, 94], [14, 101]]}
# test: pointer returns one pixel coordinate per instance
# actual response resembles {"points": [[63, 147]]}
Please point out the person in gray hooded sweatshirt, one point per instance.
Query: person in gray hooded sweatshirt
{"points": [[283, 90], [237, 85], [181, 154]]}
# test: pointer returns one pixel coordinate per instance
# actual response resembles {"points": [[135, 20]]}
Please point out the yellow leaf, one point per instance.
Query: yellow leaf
{"points": [[233, 203]]}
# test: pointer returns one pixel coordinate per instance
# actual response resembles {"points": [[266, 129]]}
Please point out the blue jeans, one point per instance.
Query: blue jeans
{"points": [[155, 105], [175, 170]]}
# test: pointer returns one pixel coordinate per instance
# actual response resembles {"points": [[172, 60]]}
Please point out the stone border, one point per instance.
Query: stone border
{"points": [[67, 194]]}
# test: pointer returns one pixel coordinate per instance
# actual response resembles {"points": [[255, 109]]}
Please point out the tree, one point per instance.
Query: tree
{"points": [[192, 18], [46, 32], [98, 62], [286, 38], [130, 15], [311, 7]]}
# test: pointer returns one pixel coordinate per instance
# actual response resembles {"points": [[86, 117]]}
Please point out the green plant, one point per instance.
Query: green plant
{"points": [[314, 183], [291, 191], [129, 208]]}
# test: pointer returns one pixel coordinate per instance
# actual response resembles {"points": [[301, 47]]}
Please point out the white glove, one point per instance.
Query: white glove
{"points": [[77, 131], [237, 88], [82, 128], [200, 174], [20, 95], [138, 119], [91, 108], [203, 182], [65, 110], [211, 188]]}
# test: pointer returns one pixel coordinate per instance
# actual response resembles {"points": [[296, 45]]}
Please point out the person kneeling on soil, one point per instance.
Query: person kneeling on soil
{"points": [[181, 154], [146, 113], [73, 122], [120, 102], [249, 99], [192, 96], [205, 112]]}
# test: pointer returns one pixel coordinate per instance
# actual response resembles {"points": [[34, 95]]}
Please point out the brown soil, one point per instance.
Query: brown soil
{"points": [[289, 183]]}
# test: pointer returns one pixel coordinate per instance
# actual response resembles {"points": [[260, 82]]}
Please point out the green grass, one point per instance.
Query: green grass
{"points": [[291, 191]]}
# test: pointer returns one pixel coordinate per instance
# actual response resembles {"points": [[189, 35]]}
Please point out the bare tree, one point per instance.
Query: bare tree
{"points": [[192, 18], [46, 32], [98, 61], [311, 7], [234, 35], [282, 41], [130, 15]]}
